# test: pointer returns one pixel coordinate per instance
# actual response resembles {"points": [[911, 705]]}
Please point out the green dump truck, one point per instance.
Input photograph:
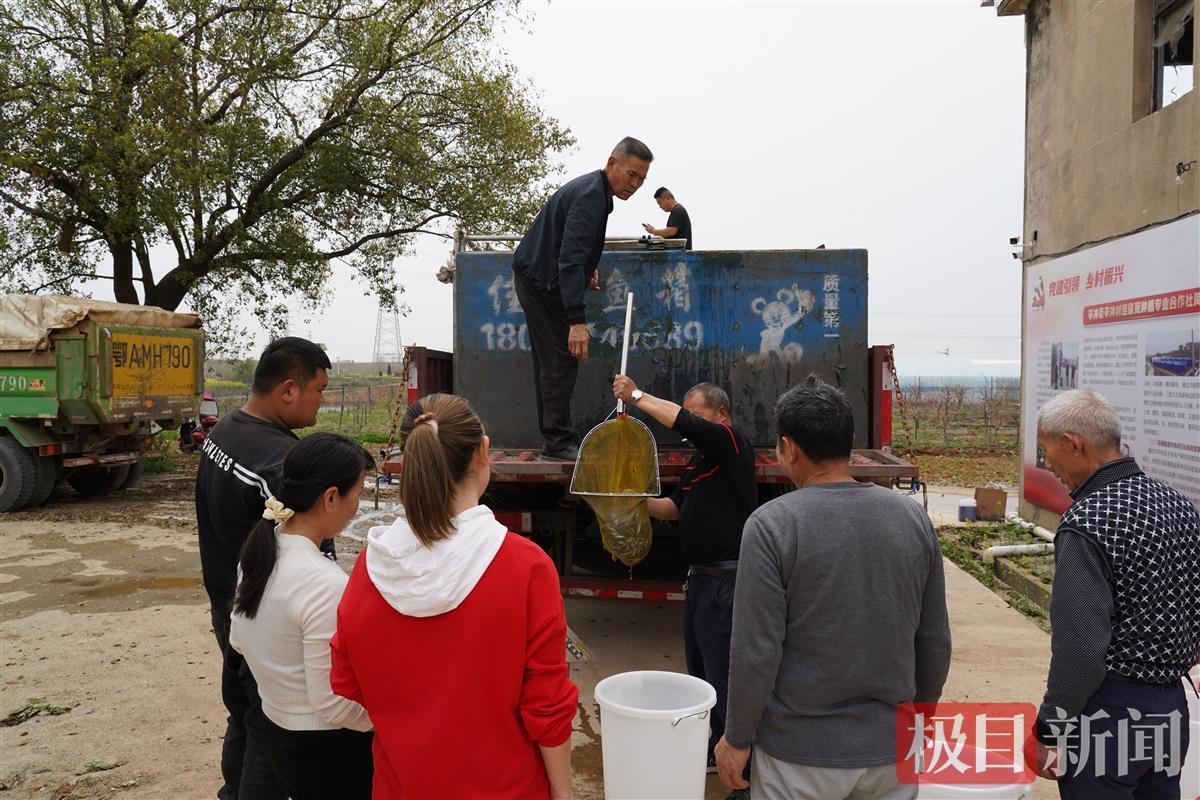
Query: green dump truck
{"points": [[82, 382]]}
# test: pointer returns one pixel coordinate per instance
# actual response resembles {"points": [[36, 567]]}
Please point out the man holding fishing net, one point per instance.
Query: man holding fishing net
{"points": [[712, 502]]}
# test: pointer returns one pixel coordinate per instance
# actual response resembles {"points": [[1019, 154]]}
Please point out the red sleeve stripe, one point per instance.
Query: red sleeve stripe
{"points": [[737, 450]]}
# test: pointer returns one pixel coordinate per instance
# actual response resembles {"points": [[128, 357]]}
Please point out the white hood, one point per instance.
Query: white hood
{"points": [[422, 581]]}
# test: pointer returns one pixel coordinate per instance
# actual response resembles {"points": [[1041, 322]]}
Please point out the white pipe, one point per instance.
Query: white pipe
{"points": [[1017, 550], [1037, 530], [625, 348]]}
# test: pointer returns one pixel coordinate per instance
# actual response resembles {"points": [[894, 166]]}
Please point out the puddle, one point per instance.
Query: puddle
{"points": [[118, 588], [44, 558], [368, 517], [95, 568]]}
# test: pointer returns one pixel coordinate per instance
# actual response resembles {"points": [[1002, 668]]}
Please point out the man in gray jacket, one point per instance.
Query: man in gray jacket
{"points": [[839, 617]]}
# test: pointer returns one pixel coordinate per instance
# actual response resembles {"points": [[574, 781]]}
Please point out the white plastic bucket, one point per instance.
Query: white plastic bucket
{"points": [[654, 735], [968, 791]]}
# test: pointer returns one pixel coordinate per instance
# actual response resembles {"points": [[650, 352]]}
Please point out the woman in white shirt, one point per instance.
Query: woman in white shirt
{"points": [[285, 612]]}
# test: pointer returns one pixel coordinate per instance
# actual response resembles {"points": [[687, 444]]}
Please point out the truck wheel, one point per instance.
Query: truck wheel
{"points": [[94, 480], [47, 477], [18, 475], [135, 474]]}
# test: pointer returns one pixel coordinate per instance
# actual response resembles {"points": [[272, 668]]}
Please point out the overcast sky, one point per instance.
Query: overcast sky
{"points": [[892, 126]]}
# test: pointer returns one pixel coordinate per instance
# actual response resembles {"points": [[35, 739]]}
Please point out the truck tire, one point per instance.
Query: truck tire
{"points": [[47, 477], [18, 475], [135, 474], [94, 480]]}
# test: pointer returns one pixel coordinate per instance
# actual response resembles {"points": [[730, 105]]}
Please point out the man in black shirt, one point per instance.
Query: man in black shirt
{"points": [[679, 224], [713, 501], [241, 465], [553, 264]]}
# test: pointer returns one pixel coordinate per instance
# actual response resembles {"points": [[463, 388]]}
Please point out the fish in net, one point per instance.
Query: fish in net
{"points": [[616, 471]]}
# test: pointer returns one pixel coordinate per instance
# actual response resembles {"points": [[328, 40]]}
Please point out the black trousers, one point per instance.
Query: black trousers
{"points": [[707, 629], [1118, 762], [322, 765], [245, 764], [554, 368]]}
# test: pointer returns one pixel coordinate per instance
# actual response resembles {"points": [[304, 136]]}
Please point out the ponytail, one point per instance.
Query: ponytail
{"points": [[443, 434], [316, 463], [259, 554]]}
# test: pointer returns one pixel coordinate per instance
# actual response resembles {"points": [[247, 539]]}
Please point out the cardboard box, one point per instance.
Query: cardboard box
{"points": [[989, 503]]}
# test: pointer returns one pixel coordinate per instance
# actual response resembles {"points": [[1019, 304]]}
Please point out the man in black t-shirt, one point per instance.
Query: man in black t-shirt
{"points": [[713, 501], [679, 224], [241, 465]]}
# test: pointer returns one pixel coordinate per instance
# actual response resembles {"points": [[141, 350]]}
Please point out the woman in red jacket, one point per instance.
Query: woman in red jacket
{"points": [[451, 633]]}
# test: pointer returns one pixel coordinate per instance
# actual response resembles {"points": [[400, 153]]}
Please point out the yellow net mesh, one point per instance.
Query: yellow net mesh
{"points": [[624, 526], [616, 471]]}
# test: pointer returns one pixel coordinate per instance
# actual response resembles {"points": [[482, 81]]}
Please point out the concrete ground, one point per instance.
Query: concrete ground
{"points": [[943, 502], [999, 656], [102, 616]]}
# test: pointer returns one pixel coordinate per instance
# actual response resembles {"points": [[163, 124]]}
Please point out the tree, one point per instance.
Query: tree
{"points": [[251, 143]]}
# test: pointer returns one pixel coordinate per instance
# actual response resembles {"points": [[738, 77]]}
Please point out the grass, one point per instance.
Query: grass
{"points": [[959, 438], [36, 707], [160, 458], [367, 424], [1041, 567], [969, 470], [964, 545], [212, 384]]}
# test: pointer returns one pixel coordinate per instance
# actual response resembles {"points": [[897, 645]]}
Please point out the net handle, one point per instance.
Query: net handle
{"points": [[625, 347]]}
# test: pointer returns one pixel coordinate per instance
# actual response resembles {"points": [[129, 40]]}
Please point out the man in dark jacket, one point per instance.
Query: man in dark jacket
{"points": [[241, 465], [1125, 612], [553, 265]]}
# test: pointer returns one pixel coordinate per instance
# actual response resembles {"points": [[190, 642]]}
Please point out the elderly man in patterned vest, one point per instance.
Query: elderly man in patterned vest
{"points": [[1125, 612]]}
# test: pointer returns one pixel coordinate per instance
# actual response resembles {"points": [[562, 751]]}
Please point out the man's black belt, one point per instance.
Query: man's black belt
{"points": [[1116, 676], [717, 569]]}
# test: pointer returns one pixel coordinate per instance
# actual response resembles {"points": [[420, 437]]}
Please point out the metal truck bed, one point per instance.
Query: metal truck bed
{"points": [[511, 465]]}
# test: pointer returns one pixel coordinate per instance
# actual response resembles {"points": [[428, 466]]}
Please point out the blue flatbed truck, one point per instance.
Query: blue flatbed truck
{"points": [[753, 322]]}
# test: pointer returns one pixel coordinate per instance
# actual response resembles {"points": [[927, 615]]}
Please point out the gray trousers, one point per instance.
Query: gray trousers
{"points": [[772, 779]]}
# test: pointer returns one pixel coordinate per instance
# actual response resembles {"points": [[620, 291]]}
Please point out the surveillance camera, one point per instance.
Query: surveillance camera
{"points": [[1014, 240], [1016, 255]]}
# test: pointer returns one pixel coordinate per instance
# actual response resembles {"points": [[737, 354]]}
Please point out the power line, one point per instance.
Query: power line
{"points": [[943, 314], [948, 334]]}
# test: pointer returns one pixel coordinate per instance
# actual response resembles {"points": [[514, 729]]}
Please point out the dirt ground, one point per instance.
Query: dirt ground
{"points": [[102, 617]]}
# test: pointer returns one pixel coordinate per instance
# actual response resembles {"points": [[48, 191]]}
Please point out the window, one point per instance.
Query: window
{"points": [[1174, 32]]}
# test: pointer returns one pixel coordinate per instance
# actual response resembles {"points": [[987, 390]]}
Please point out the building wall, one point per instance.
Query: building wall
{"points": [[1098, 163]]}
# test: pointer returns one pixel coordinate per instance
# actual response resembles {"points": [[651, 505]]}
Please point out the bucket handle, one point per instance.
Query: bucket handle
{"points": [[701, 714]]}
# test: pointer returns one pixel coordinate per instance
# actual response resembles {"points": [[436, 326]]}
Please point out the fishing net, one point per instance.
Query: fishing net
{"points": [[616, 471]]}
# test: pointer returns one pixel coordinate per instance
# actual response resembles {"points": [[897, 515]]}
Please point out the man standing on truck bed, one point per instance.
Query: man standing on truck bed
{"points": [[241, 464], [679, 224], [713, 501], [553, 265]]}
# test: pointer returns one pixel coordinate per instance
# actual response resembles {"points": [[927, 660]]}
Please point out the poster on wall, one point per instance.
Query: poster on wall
{"points": [[1122, 318]]}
